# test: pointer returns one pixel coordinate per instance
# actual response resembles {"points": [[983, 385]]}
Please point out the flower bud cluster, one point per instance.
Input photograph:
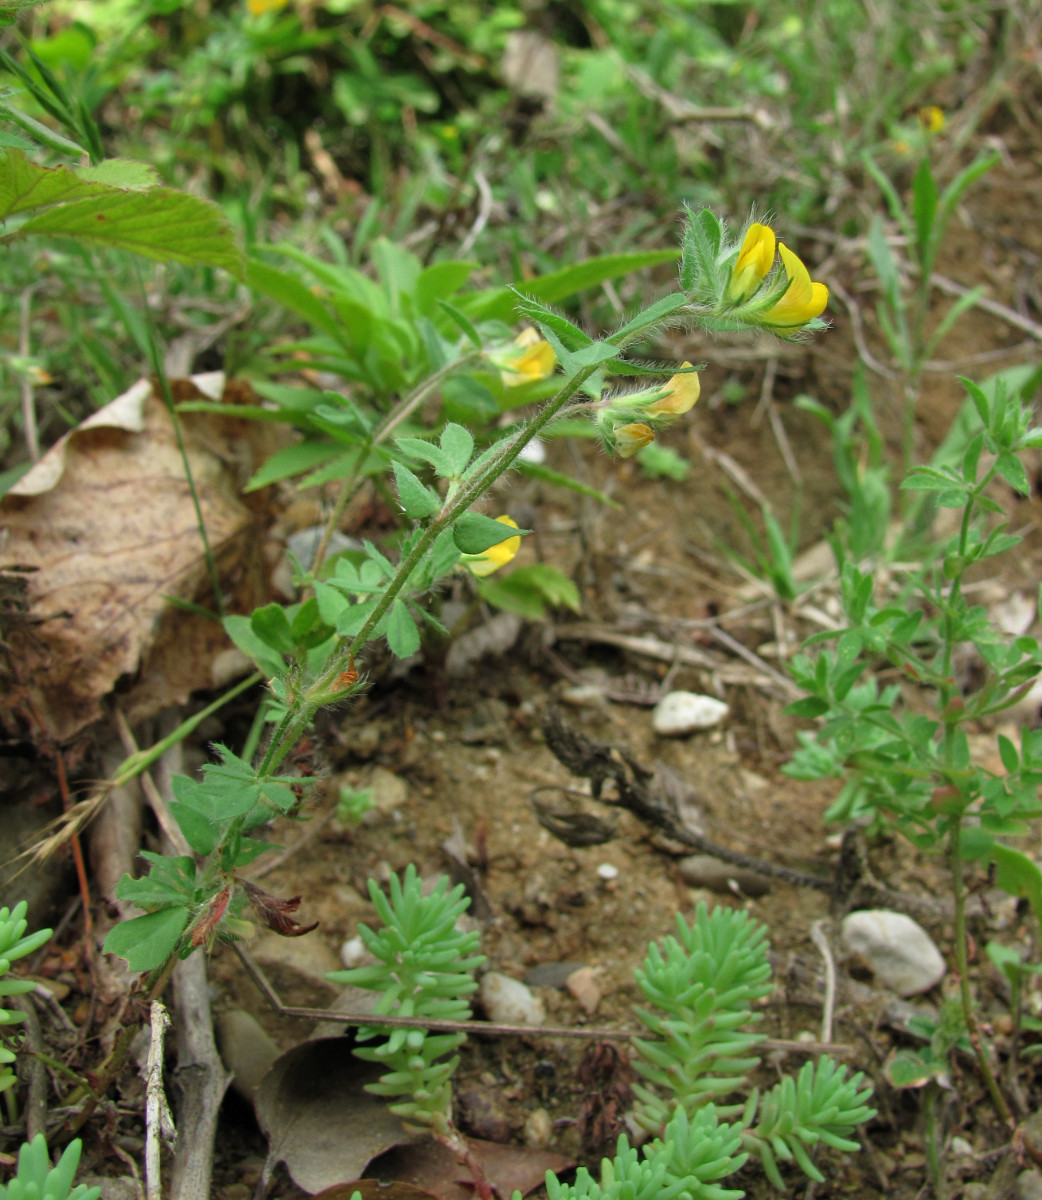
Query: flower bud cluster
{"points": [[627, 422], [753, 283]]}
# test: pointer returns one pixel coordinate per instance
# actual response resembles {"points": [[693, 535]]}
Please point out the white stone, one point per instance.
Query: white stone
{"points": [[353, 952], [607, 871], [678, 713], [509, 1002], [900, 952]]}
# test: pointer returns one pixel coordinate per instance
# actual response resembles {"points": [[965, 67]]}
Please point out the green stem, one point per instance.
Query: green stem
{"points": [[350, 486], [143, 759], [293, 723], [969, 1015]]}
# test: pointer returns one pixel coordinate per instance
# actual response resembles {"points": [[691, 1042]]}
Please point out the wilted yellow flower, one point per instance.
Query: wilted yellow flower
{"points": [[931, 118], [534, 359], [495, 556], [631, 438], [754, 260], [681, 396], [802, 300]]}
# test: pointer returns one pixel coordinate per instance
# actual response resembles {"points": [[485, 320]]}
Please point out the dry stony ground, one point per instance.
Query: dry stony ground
{"points": [[459, 754]]}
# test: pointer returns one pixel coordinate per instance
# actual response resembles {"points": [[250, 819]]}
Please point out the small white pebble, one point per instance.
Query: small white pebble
{"points": [[607, 871], [352, 952]]}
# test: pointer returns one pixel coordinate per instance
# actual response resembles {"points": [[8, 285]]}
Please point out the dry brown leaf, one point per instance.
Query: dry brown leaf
{"points": [[102, 529], [317, 1116], [429, 1165]]}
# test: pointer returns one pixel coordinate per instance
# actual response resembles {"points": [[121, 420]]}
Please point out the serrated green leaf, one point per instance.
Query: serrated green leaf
{"points": [[147, 942], [159, 223]]}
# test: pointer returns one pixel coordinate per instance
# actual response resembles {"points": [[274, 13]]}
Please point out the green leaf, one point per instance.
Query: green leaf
{"points": [[559, 285], [906, 1069], [425, 451], [271, 625], [1018, 875], [458, 445], [1008, 753], [474, 533], [293, 460], [417, 500], [808, 708], [571, 337], [200, 832], [924, 207], [402, 635], [147, 942], [527, 590], [1012, 470], [239, 630], [160, 223]]}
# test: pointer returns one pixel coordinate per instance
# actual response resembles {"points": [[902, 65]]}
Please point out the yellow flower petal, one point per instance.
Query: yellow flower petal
{"points": [[802, 301], [682, 396], [754, 260], [535, 361], [631, 438], [931, 118], [495, 556]]}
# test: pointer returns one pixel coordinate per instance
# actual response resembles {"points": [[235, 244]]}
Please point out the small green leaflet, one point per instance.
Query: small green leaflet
{"points": [[474, 533]]}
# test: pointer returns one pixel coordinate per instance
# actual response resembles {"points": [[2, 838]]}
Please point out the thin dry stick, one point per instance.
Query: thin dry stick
{"points": [[820, 939], [36, 1101], [484, 212], [200, 1073], [332, 1016], [158, 804], [159, 1124]]}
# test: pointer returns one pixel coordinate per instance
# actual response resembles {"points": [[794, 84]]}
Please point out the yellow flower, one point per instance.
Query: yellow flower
{"points": [[931, 119], [259, 7], [802, 300], [631, 438], [754, 260], [534, 360], [681, 396], [495, 556]]}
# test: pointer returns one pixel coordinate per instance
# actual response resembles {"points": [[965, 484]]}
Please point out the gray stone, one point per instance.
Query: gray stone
{"points": [[899, 951], [680, 713], [248, 1052]]}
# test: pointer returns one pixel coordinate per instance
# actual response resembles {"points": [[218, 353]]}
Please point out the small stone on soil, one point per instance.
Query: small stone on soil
{"points": [[703, 870], [584, 987], [680, 713], [509, 1002], [899, 951], [538, 1128]]}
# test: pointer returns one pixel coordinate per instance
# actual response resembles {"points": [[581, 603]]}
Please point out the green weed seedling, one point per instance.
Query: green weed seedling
{"points": [[35, 1178], [910, 767], [695, 1064]]}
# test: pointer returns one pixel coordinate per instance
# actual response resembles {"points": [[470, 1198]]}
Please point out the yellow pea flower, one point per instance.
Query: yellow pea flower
{"points": [[631, 438], [931, 118], [534, 359], [682, 396], [802, 299], [495, 556], [259, 7], [754, 260]]}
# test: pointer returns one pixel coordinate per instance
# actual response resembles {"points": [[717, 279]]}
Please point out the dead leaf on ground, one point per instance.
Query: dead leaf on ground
{"points": [[374, 1189], [103, 529], [318, 1119], [429, 1165]]}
